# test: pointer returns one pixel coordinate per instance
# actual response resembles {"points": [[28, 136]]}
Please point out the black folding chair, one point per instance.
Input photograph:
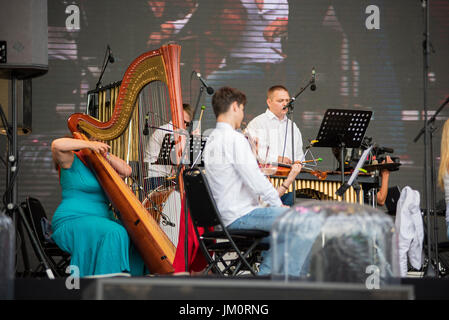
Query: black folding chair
{"points": [[246, 244], [57, 259]]}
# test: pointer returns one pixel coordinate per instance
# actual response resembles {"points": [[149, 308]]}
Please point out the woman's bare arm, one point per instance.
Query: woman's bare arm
{"points": [[62, 149], [122, 168]]}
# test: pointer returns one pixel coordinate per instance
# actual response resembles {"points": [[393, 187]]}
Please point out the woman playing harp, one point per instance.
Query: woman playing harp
{"points": [[159, 69], [83, 224]]}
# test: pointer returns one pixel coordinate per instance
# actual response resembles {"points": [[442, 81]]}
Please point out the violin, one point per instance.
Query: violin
{"points": [[283, 170], [321, 175]]}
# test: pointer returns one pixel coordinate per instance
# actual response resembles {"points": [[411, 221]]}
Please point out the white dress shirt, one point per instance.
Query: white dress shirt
{"points": [[152, 152], [234, 176], [270, 132]]}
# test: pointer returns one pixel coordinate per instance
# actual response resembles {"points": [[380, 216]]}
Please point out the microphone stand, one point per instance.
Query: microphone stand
{"points": [[107, 58], [13, 209], [186, 212], [292, 100], [431, 120], [431, 128], [290, 108], [428, 181]]}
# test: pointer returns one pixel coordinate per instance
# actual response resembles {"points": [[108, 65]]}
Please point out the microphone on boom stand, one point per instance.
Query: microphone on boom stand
{"points": [[108, 58], [209, 89]]}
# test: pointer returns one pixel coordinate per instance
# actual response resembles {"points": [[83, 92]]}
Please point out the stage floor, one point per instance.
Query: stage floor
{"points": [[215, 289]]}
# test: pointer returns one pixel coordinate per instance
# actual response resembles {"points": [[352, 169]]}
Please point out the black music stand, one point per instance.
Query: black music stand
{"points": [[164, 157], [195, 144], [343, 129]]}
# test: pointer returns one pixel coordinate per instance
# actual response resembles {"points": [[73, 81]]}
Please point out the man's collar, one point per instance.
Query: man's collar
{"points": [[271, 115], [223, 125]]}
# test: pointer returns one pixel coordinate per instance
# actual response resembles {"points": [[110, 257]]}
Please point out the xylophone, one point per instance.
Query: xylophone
{"points": [[309, 185]]}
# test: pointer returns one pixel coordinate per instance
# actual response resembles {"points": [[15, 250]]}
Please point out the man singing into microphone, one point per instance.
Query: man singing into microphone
{"points": [[273, 130]]}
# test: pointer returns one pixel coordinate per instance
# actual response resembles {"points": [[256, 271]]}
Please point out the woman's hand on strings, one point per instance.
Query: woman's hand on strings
{"points": [[99, 147]]}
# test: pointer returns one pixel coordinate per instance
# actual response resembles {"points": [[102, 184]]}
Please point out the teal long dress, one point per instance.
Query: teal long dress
{"points": [[84, 226]]}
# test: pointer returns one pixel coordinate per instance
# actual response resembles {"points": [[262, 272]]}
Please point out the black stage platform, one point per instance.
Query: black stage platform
{"points": [[209, 288]]}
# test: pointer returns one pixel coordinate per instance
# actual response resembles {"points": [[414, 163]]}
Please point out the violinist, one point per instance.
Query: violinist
{"points": [[273, 131], [234, 176], [289, 171]]}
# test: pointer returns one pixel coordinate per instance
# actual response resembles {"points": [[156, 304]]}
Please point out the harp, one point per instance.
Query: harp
{"points": [[152, 79]]}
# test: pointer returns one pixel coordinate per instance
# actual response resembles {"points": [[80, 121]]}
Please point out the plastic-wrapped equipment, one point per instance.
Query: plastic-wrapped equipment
{"points": [[7, 257], [327, 241]]}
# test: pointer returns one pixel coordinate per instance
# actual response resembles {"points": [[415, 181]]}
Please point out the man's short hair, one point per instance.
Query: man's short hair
{"points": [[275, 88], [224, 97], [188, 108]]}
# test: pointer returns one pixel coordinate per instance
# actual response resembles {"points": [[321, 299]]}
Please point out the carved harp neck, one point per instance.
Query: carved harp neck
{"points": [[161, 64]]}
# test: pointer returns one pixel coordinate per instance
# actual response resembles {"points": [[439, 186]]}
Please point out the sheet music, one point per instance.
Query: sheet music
{"points": [[359, 165]]}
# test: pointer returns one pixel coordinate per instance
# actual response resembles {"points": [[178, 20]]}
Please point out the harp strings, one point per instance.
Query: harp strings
{"points": [[158, 173], [153, 178]]}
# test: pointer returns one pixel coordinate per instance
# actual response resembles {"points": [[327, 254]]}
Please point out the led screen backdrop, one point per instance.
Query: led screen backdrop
{"points": [[367, 55]]}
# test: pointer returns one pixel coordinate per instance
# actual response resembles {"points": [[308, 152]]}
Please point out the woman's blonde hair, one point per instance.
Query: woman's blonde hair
{"points": [[188, 108], [444, 155]]}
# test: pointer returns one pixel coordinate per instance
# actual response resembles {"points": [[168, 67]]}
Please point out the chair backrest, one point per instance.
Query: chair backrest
{"points": [[203, 209], [37, 217]]}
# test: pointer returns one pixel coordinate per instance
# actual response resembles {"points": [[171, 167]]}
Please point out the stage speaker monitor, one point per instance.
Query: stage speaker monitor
{"points": [[23, 104], [23, 38]]}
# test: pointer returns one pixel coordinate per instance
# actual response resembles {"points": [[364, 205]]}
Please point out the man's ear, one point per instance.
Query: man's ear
{"points": [[234, 106]]}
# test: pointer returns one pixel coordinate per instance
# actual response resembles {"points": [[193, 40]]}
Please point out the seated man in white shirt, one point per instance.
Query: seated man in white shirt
{"points": [[273, 130], [237, 184]]}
